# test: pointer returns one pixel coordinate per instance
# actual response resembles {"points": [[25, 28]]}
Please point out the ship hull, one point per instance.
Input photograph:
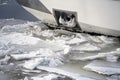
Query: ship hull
{"points": [[98, 16]]}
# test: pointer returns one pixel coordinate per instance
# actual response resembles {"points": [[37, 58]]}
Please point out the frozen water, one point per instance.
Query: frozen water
{"points": [[48, 77], [87, 47], [30, 45], [104, 67], [75, 41], [114, 77], [42, 57], [66, 73], [19, 39], [5, 60]]}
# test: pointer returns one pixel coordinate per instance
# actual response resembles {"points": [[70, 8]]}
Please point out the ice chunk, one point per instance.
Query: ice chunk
{"points": [[63, 32], [66, 73], [48, 77], [108, 40], [25, 55], [87, 47], [22, 56], [104, 67], [118, 49], [85, 56], [51, 77], [31, 64], [47, 33], [5, 49], [19, 38], [46, 56], [95, 39], [31, 71], [62, 43], [5, 60], [26, 78], [11, 22], [112, 58], [114, 77], [67, 50], [75, 41], [63, 37]]}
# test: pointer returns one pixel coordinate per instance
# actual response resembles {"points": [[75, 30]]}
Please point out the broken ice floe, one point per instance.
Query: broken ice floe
{"points": [[87, 47], [114, 77], [47, 77], [95, 39], [75, 41], [12, 21], [31, 64], [112, 56], [22, 56], [47, 33], [60, 43], [83, 56], [49, 48], [12, 25], [41, 57], [104, 67], [32, 54], [18, 38], [4, 60], [63, 32], [6, 49], [27, 71], [66, 73], [108, 40]]}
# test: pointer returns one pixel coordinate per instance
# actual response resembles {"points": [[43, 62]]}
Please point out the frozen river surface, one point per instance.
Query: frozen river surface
{"points": [[30, 51]]}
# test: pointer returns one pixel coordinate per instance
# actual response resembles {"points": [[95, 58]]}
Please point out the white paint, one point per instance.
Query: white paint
{"points": [[102, 13]]}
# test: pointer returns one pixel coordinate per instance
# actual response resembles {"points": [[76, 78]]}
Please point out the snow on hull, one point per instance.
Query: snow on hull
{"points": [[104, 67]]}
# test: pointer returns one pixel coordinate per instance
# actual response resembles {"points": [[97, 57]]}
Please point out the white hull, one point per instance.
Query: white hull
{"points": [[99, 16]]}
